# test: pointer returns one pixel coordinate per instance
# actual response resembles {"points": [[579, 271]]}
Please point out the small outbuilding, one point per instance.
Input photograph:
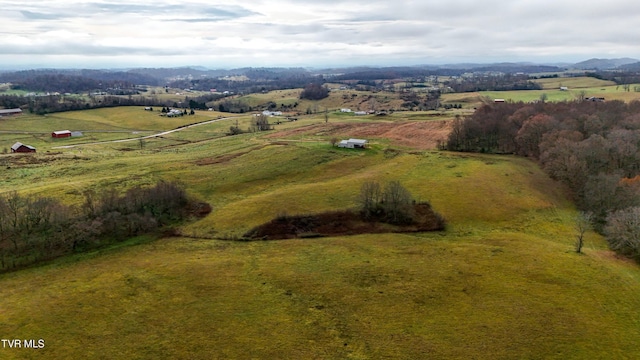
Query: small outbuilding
{"points": [[353, 144], [8, 112], [61, 134], [22, 148]]}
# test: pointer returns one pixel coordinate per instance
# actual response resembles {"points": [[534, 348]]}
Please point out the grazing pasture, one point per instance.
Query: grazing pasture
{"points": [[577, 87], [580, 82], [501, 282]]}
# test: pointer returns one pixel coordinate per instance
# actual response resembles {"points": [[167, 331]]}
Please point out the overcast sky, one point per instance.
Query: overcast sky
{"points": [[312, 33]]}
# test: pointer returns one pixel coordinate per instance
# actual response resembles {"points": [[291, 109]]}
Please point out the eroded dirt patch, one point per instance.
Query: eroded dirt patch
{"points": [[339, 223]]}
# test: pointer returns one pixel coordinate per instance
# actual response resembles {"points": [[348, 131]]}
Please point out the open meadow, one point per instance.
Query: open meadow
{"points": [[337, 99], [576, 88], [501, 282]]}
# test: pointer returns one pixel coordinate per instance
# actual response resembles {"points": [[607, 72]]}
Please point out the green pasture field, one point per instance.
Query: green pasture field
{"points": [[551, 87], [336, 100], [104, 124], [608, 92], [501, 282], [573, 82]]}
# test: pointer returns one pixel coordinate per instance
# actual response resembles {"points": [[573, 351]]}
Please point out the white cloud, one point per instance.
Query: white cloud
{"points": [[313, 33]]}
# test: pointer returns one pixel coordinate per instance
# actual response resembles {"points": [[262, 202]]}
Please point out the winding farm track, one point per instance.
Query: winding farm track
{"points": [[148, 136]]}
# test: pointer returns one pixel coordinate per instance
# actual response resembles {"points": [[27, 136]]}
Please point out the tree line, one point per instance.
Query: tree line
{"points": [[592, 147], [67, 84], [256, 84], [60, 103], [504, 82], [34, 229]]}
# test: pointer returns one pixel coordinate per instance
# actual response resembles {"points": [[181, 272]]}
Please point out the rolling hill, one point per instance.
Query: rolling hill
{"points": [[501, 282]]}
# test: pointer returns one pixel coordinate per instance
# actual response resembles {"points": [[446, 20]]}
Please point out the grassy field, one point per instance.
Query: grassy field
{"points": [[502, 282], [96, 125], [551, 88], [352, 99], [572, 82], [609, 92]]}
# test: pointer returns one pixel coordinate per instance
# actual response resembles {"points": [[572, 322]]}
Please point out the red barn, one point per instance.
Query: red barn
{"points": [[22, 148], [61, 134]]}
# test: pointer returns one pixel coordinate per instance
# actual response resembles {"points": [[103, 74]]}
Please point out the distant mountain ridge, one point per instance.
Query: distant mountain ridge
{"points": [[190, 75], [603, 64]]}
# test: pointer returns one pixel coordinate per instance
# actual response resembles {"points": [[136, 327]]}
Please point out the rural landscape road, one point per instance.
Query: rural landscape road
{"points": [[148, 136]]}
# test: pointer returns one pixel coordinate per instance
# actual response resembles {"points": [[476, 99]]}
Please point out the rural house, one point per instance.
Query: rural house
{"points": [[272, 113], [22, 148], [174, 113], [353, 144]]}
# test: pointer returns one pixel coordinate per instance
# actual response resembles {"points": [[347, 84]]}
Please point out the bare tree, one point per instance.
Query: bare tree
{"points": [[543, 97], [370, 198], [582, 225], [260, 123], [398, 203], [14, 207], [4, 216]]}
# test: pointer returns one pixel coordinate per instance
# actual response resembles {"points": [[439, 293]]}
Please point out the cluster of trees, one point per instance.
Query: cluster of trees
{"points": [[12, 101], [416, 101], [256, 81], [74, 81], [493, 83], [33, 229], [314, 91], [258, 123], [392, 203], [68, 84], [592, 147], [234, 106]]}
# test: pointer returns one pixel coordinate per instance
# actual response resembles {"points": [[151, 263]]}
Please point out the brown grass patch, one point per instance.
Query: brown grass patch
{"points": [[415, 134]]}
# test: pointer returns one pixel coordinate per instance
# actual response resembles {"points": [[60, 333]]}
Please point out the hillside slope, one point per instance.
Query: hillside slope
{"points": [[501, 282]]}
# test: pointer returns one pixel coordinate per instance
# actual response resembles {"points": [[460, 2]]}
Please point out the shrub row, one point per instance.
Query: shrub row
{"points": [[34, 229]]}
